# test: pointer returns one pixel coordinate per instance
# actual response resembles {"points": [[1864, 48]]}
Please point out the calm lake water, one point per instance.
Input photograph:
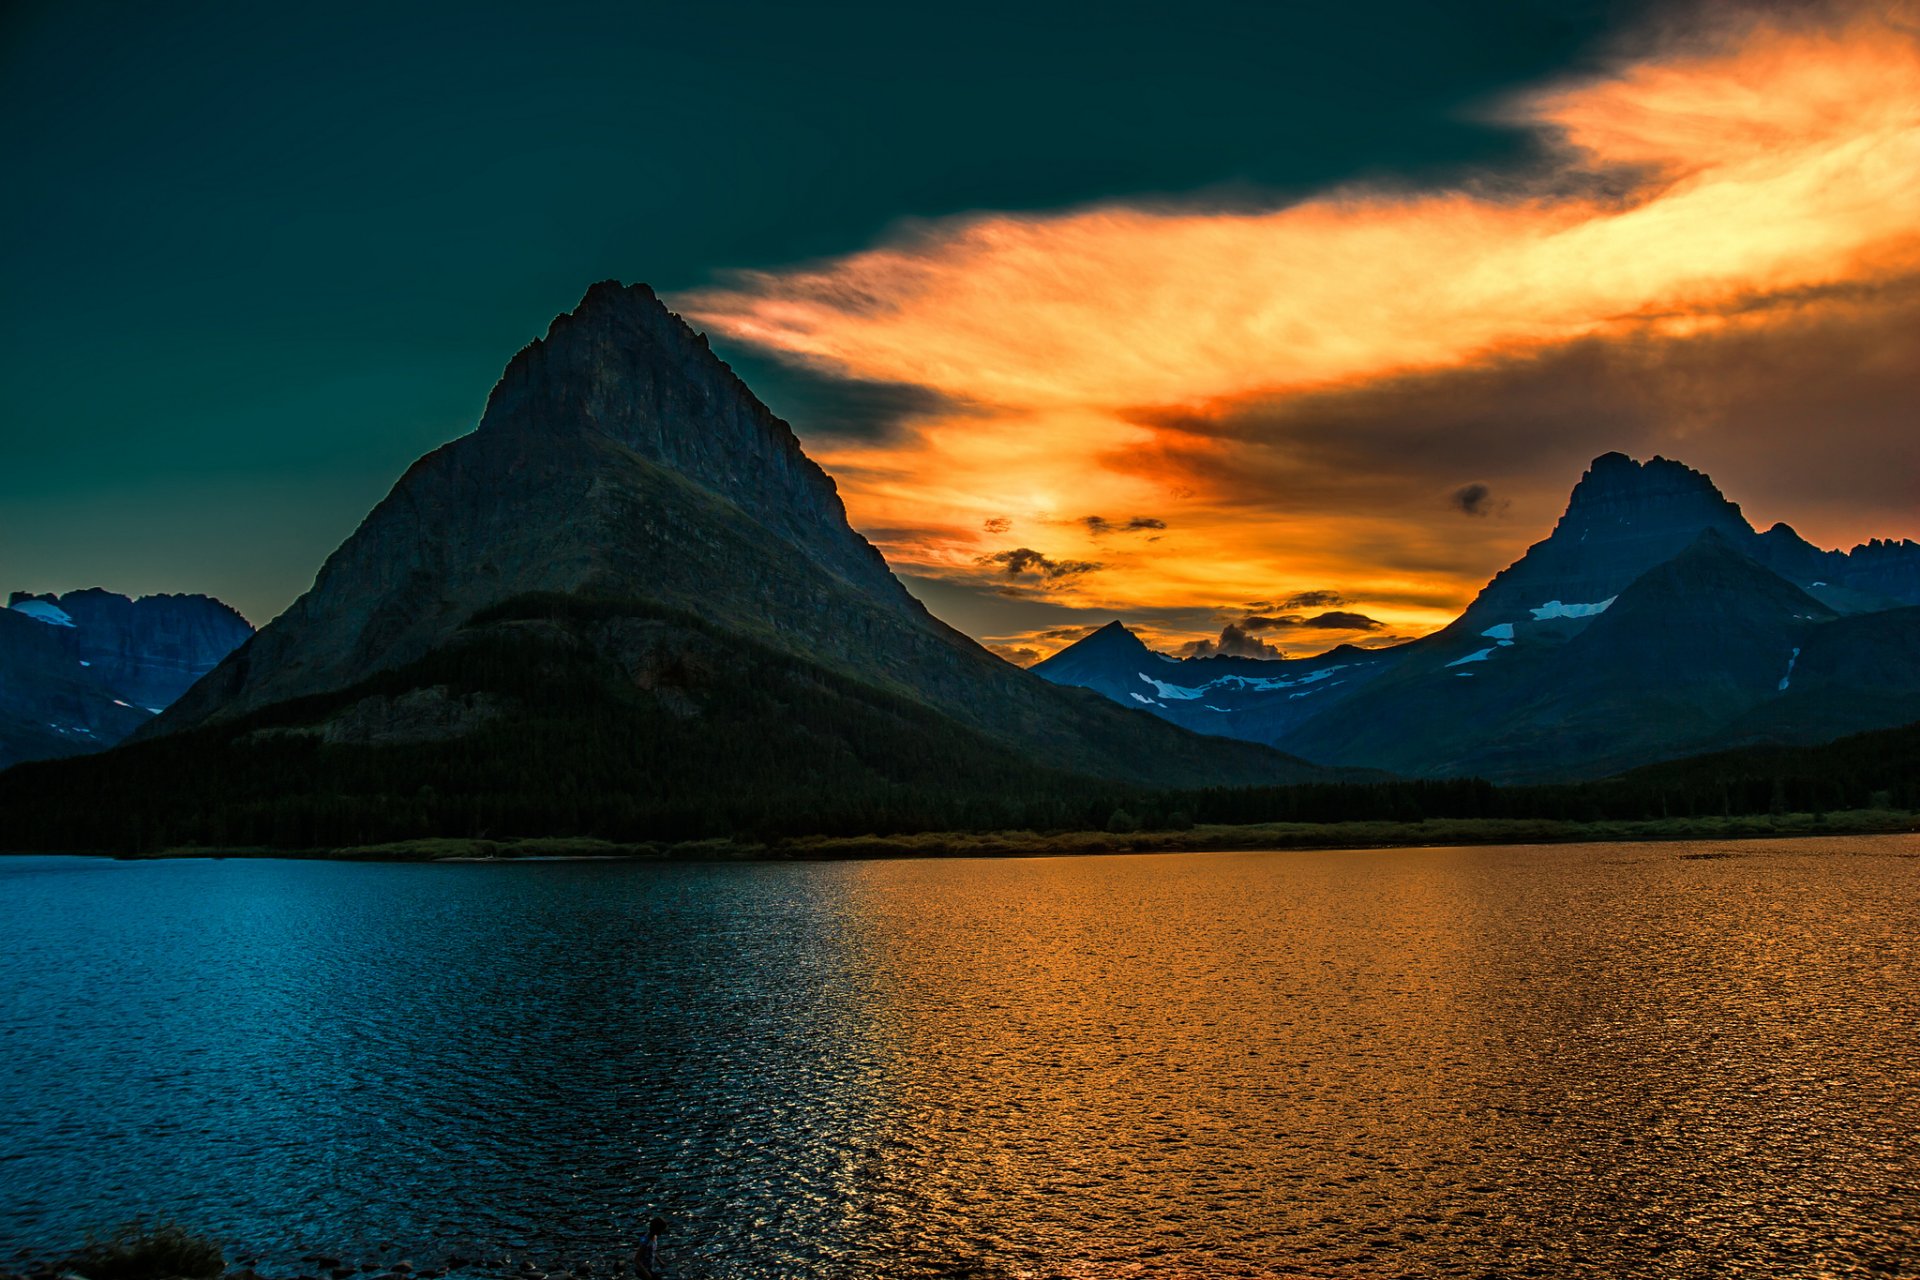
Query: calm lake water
{"points": [[1599, 1060]]}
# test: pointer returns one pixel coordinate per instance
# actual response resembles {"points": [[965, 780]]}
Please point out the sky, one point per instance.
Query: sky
{"points": [[1262, 327]]}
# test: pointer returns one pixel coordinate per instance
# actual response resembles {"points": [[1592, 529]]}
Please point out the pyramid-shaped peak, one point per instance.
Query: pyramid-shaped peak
{"points": [[621, 367], [1114, 634], [1713, 569], [1105, 645]]}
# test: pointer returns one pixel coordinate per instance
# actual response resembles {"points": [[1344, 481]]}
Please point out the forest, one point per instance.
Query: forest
{"points": [[732, 739]]}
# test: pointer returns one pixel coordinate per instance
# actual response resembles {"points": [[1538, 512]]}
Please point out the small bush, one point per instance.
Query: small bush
{"points": [[1122, 823], [142, 1250]]}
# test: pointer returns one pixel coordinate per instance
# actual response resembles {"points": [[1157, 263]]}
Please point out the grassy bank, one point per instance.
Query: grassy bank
{"points": [[1212, 837]]}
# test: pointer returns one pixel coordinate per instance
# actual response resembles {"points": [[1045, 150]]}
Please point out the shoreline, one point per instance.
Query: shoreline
{"points": [[1254, 837]]}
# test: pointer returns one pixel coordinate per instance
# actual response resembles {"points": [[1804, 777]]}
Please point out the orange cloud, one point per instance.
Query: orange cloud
{"points": [[1764, 173]]}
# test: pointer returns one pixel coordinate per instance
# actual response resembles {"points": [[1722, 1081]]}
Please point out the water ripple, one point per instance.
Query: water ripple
{"points": [[1595, 1061]]}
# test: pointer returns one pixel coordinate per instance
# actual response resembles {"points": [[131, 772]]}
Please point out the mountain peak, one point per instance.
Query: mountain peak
{"points": [[621, 367], [1622, 518], [1098, 648], [1615, 484], [1114, 635], [613, 333]]}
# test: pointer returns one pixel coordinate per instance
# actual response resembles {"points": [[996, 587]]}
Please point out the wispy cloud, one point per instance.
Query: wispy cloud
{"points": [[1289, 386]]}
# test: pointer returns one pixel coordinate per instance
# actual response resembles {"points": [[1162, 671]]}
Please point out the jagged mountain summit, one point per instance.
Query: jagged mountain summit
{"points": [[1624, 517], [81, 671], [1652, 622], [630, 594]]}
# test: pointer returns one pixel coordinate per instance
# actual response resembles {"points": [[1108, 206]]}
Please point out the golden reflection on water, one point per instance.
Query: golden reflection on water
{"points": [[1527, 1061], [1577, 1062]]}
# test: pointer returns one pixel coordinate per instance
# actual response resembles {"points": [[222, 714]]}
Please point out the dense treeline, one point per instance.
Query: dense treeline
{"points": [[724, 737]]}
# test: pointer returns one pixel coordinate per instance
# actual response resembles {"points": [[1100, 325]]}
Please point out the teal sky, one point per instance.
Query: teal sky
{"points": [[257, 259]]}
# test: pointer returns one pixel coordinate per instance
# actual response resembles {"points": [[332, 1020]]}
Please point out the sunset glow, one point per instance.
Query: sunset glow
{"points": [[1201, 370]]}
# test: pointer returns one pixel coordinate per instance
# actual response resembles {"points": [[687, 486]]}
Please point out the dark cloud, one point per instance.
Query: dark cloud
{"points": [[1025, 560], [1801, 413], [820, 405], [1339, 621], [1098, 525], [1018, 655], [1068, 633], [1312, 600], [1234, 642], [1472, 499], [1333, 621], [997, 524], [902, 535]]}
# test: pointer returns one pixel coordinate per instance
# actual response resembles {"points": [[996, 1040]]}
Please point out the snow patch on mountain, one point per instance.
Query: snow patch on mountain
{"points": [[1555, 609], [1174, 691], [1478, 655], [1791, 659], [41, 611]]}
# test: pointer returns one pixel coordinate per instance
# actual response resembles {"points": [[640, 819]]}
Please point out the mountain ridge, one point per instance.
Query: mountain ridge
{"points": [[1478, 695], [81, 670]]}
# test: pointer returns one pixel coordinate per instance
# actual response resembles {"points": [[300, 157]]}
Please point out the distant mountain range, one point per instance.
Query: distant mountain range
{"points": [[81, 671], [627, 602], [1654, 622]]}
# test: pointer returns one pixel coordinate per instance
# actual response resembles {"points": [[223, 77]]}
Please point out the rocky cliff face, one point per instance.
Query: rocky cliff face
{"points": [[81, 671]]}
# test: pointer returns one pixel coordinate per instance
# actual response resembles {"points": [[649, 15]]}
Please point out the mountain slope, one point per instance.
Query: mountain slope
{"points": [[558, 714], [1681, 652], [618, 458], [81, 671]]}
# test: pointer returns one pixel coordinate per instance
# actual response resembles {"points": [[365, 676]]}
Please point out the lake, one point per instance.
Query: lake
{"points": [[1567, 1061]]}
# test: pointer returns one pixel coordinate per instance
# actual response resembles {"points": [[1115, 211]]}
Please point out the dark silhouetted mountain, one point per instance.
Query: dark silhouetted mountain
{"points": [[81, 671], [1664, 670], [1258, 699], [151, 649], [1623, 518], [621, 465], [1653, 621]]}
